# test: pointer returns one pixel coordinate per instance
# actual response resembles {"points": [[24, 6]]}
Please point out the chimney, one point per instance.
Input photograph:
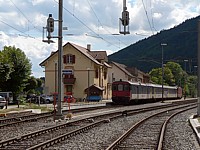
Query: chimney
{"points": [[88, 47]]}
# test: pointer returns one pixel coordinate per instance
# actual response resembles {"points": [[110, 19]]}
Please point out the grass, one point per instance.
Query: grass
{"points": [[26, 106]]}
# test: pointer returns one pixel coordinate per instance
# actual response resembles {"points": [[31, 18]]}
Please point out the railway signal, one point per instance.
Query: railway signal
{"points": [[49, 30], [50, 24], [124, 21]]}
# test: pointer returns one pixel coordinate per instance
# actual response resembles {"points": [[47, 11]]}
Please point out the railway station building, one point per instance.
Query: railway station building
{"points": [[82, 69], [121, 71], [85, 73]]}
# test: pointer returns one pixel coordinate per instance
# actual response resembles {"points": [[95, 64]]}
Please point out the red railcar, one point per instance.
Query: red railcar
{"points": [[123, 92]]}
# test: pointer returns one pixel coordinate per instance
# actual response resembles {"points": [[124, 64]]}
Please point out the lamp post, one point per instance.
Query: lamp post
{"points": [[195, 70], [185, 78], [162, 44], [198, 71], [196, 84], [185, 64]]}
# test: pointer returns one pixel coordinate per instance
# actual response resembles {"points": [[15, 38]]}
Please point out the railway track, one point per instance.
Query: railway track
{"points": [[37, 139], [14, 114], [27, 116], [50, 136], [149, 132]]}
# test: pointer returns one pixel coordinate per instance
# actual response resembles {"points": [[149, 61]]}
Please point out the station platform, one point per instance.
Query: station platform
{"points": [[195, 124]]}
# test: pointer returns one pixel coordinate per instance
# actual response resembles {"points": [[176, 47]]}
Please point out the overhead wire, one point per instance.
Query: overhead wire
{"points": [[101, 23], [24, 34], [152, 20], [96, 34], [25, 16], [147, 16]]}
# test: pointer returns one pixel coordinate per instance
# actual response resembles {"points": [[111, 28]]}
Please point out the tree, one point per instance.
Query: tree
{"points": [[173, 75], [5, 70], [168, 76], [177, 71], [192, 86], [156, 76], [20, 70], [33, 86]]}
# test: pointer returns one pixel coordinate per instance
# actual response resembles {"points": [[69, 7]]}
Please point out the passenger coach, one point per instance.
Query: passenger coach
{"points": [[123, 92]]}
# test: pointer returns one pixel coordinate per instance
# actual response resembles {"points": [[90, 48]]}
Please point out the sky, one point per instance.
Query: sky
{"points": [[94, 22]]}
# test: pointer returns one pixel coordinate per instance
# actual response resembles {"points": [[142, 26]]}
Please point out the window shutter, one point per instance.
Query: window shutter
{"points": [[73, 59], [64, 59]]}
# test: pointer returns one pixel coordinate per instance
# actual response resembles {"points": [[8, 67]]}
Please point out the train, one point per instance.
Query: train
{"points": [[126, 92]]}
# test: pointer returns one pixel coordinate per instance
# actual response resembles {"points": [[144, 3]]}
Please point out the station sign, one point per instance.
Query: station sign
{"points": [[67, 71]]}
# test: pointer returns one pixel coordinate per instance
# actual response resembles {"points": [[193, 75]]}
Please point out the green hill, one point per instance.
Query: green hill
{"points": [[146, 54]]}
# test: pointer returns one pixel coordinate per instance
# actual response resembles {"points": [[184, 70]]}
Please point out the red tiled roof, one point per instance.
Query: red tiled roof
{"points": [[86, 52]]}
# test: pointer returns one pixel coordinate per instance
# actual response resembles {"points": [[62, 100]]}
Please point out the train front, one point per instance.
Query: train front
{"points": [[121, 92]]}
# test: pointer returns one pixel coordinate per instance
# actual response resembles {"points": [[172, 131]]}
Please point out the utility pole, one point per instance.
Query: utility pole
{"points": [[162, 44], [60, 64], [198, 75]]}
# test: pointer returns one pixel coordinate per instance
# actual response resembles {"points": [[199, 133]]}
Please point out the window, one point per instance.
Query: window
{"points": [[120, 87], [69, 59], [69, 88], [126, 87], [114, 87], [134, 89], [105, 75], [68, 76], [96, 73]]}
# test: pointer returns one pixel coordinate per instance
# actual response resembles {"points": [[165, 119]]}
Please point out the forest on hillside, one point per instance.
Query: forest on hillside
{"points": [[146, 54]]}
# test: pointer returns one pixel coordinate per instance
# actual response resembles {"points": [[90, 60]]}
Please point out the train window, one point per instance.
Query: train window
{"points": [[139, 90], [126, 87], [114, 87], [120, 87], [144, 90], [134, 89]]}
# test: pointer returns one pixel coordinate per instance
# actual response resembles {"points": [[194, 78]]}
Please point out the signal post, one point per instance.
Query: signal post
{"points": [[49, 29]]}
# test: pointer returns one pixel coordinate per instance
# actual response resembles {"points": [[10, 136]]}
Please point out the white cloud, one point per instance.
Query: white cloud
{"points": [[37, 2], [34, 49]]}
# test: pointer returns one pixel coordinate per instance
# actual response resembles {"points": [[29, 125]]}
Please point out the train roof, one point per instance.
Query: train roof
{"points": [[149, 84], [165, 86], [129, 82]]}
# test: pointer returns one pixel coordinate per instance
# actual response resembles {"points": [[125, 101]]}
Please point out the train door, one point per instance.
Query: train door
{"points": [[149, 92], [139, 92], [134, 92], [153, 97]]}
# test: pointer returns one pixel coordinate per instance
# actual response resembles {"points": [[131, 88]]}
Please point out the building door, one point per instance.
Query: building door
{"points": [[68, 90]]}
